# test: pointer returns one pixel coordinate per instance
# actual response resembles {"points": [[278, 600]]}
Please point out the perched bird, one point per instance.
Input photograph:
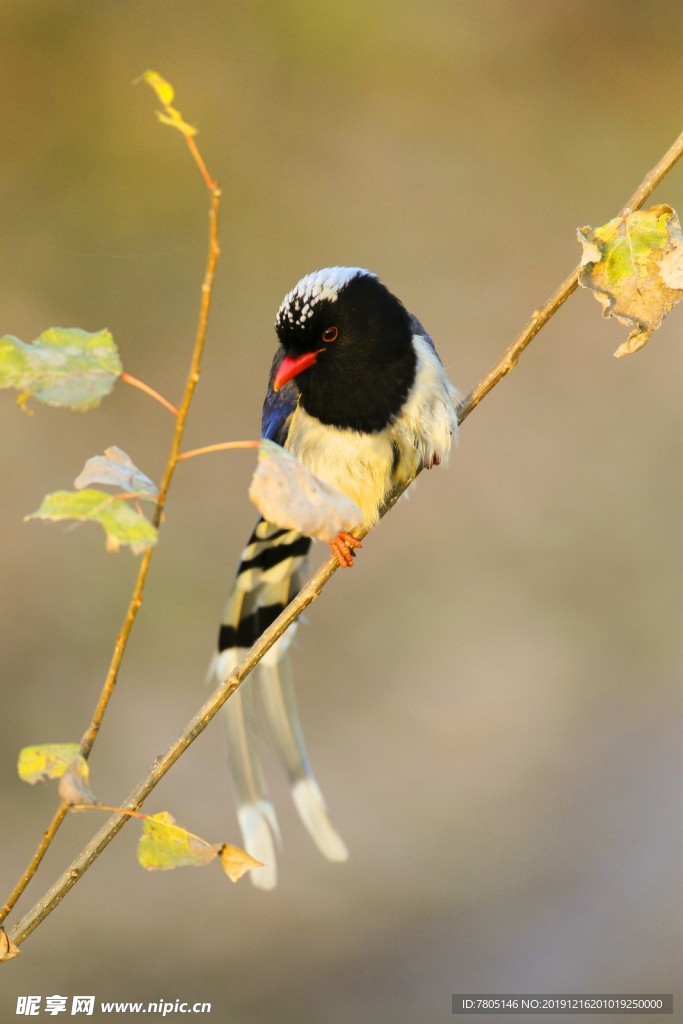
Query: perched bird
{"points": [[358, 394]]}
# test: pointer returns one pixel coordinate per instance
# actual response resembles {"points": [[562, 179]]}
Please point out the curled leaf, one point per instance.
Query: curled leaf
{"points": [[121, 523], [633, 266], [73, 785], [116, 469], [64, 367], [46, 761], [8, 949], [236, 862], [287, 494]]}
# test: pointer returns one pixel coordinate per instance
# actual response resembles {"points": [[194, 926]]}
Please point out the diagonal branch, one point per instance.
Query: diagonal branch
{"points": [[541, 315], [307, 595]]}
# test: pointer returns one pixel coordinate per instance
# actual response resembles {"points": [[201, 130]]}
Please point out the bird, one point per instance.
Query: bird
{"points": [[359, 395]]}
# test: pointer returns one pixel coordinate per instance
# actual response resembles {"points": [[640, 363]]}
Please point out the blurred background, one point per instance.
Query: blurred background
{"points": [[492, 698]]}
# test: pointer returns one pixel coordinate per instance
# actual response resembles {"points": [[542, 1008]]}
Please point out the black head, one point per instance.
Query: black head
{"points": [[348, 342]]}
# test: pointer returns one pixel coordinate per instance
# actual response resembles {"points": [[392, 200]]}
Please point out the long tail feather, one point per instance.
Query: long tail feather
{"points": [[255, 811], [279, 703], [269, 575]]}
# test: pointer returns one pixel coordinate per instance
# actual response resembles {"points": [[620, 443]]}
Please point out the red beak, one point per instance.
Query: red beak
{"points": [[290, 368]]}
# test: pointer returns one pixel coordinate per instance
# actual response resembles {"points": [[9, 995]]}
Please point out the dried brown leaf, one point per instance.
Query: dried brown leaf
{"points": [[236, 862], [8, 950], [633, 265]]}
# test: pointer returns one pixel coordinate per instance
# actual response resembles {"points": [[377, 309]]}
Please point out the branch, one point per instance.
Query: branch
{"points": [[541, 315], [306, 596], [136, 600]]}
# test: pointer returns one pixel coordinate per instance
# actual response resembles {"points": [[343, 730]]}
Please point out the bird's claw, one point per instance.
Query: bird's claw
{"points": [[342, 548]]}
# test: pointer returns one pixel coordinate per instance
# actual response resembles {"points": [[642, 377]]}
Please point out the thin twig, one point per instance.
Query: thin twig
{"points": [[109, 685], [541, 315], [222, 446], [128, 378], [308, 594], [210, 182]]}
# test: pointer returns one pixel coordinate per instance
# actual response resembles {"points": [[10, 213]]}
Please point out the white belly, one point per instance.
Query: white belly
{"points": [[357, 464], [367, 467]]}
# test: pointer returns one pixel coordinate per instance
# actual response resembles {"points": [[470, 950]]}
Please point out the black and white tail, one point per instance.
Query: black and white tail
{"points": [[269, 575]]}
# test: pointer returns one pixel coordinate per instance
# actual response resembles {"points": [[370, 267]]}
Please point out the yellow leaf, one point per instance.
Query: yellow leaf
{"points": [[164, 90], [165, 94], [236, 862], [165, 845], [46, 761]]}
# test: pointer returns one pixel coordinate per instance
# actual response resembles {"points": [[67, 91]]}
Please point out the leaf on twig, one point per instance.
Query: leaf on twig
{"points": [[61, 761], [165, 93], [165, 845], [287, 494], [46, 761], [634, 266], [163, 89], [236, 862], [64, 367], [116, 469], [121, 523], [8, 949], [73, 785]]}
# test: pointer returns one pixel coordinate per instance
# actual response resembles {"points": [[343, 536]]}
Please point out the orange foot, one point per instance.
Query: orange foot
{"points": [[434, 461], [342, 548]]}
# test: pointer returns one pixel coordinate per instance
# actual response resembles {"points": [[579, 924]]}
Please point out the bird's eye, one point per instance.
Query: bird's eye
{"points": [[330, 334]]}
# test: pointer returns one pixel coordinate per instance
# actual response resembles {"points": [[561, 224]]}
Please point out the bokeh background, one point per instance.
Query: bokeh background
{"points": [[492, 698]]}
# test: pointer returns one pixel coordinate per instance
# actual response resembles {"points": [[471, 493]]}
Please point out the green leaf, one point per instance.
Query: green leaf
{"points": [[121, 523], [65, 366], [289, 495], [46, 761], [632, 265], [165, 845]]}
